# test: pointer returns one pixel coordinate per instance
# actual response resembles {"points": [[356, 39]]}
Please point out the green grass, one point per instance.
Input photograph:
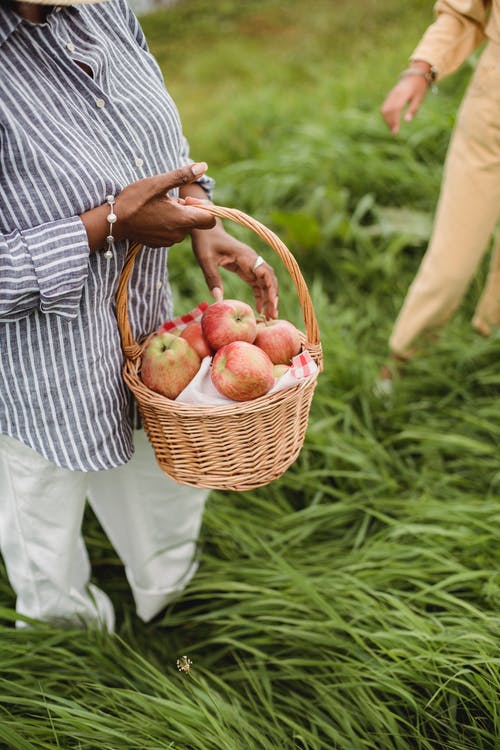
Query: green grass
{"points": [[353, 604]]}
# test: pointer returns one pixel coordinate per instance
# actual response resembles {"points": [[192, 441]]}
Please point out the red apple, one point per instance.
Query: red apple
{"points": [[195, 338], [227, 321], [169, 363], [279, 339], [242, 371]]}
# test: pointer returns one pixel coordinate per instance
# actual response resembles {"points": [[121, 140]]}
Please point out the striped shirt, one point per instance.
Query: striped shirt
{"points": [[67, 140]]}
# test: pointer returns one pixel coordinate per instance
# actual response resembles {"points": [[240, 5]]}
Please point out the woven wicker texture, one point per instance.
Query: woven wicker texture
{"points": [[234, 447]]}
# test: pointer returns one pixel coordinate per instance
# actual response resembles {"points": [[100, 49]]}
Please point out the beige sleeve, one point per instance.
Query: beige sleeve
{"points": [[459, 28]]}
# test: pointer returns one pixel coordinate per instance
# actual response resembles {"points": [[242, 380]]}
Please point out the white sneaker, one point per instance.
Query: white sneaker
{"points": [[383, 389]]}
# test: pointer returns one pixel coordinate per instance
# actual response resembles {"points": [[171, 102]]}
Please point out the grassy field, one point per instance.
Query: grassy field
{"points": [[353, 604]]}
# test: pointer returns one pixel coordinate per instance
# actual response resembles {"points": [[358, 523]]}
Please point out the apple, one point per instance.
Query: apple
{"points": [[195, 338], [279, 339], [242, 371], [169, 363], [279, 370], [227, 321]]}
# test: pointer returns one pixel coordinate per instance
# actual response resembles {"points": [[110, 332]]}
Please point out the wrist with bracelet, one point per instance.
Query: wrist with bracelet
{"points": [[429, 75]]}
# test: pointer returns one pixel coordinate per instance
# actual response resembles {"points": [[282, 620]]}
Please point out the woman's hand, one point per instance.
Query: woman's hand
{"points": [[146, 213], [410, 90], [216, 248]]}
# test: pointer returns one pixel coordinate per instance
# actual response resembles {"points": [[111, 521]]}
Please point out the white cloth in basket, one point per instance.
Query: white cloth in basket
{"points": [[201, 390]]}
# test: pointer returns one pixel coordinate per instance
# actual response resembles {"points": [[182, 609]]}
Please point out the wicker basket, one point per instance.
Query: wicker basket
{"points": [[234, 447]]}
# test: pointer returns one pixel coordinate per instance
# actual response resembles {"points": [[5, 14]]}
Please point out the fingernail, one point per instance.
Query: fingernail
{"points": [[408, 117], [199, 168], [216, 293]]}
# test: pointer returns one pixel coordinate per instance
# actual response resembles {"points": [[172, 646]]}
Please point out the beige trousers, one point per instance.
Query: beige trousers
{"points": [[467, 212]]}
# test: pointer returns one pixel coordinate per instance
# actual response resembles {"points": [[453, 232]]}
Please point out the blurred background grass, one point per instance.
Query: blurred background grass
{"points": [[354, 603]]}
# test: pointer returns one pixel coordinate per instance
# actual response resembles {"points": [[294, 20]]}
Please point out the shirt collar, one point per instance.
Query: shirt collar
{"points": [[8, 22]]}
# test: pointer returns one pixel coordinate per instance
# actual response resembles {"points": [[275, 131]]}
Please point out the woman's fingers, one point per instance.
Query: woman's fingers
{"points": [[217, 293], [409, 91], [160, 184], [192, 200], [147, 214], [265, 289], [217, 249], [260, 276], [393, 106], [414, 105]]}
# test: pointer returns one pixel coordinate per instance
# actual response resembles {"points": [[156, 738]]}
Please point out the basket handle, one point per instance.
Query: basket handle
{"points": [[131, 348]]}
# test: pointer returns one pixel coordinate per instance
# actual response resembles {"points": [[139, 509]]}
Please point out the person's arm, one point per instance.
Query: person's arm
{"points": [[457, 31], [45, 267], [215, 248]]}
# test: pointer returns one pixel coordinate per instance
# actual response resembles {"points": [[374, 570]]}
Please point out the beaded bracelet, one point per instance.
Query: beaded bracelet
{"points": [[111, 217]]}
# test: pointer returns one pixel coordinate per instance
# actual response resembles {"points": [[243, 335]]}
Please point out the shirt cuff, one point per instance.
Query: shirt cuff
{"points": [[208, 184], [59, 252]]}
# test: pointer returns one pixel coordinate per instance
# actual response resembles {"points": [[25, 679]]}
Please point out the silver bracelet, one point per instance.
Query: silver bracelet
{"points": [[111, 217]]}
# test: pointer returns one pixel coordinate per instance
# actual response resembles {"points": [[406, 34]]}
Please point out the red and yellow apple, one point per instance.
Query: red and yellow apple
{"points": [[279, 370], [279, 339], [169, 363], [227, 321], [242, 371], [193, 334]]}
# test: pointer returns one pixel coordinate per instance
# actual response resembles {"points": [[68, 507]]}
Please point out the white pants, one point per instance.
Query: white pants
{"points": [[152, 522]]}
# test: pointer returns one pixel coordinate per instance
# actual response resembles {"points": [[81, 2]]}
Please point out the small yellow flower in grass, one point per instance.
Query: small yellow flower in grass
{"points": [[184, 664]]}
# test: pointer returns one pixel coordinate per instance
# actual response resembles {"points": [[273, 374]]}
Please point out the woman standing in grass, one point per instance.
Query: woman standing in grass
{"points": [[469, 203], [90, 146]]}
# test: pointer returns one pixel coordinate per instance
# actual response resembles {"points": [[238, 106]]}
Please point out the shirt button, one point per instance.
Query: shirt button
{"points": [[58, 9], [159, 284], [70, 47], [100, 103], [139, 162]]}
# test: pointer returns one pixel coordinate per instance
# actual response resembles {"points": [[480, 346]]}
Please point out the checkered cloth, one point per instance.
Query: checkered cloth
{"points": [[303, 366], [178, 324]]}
